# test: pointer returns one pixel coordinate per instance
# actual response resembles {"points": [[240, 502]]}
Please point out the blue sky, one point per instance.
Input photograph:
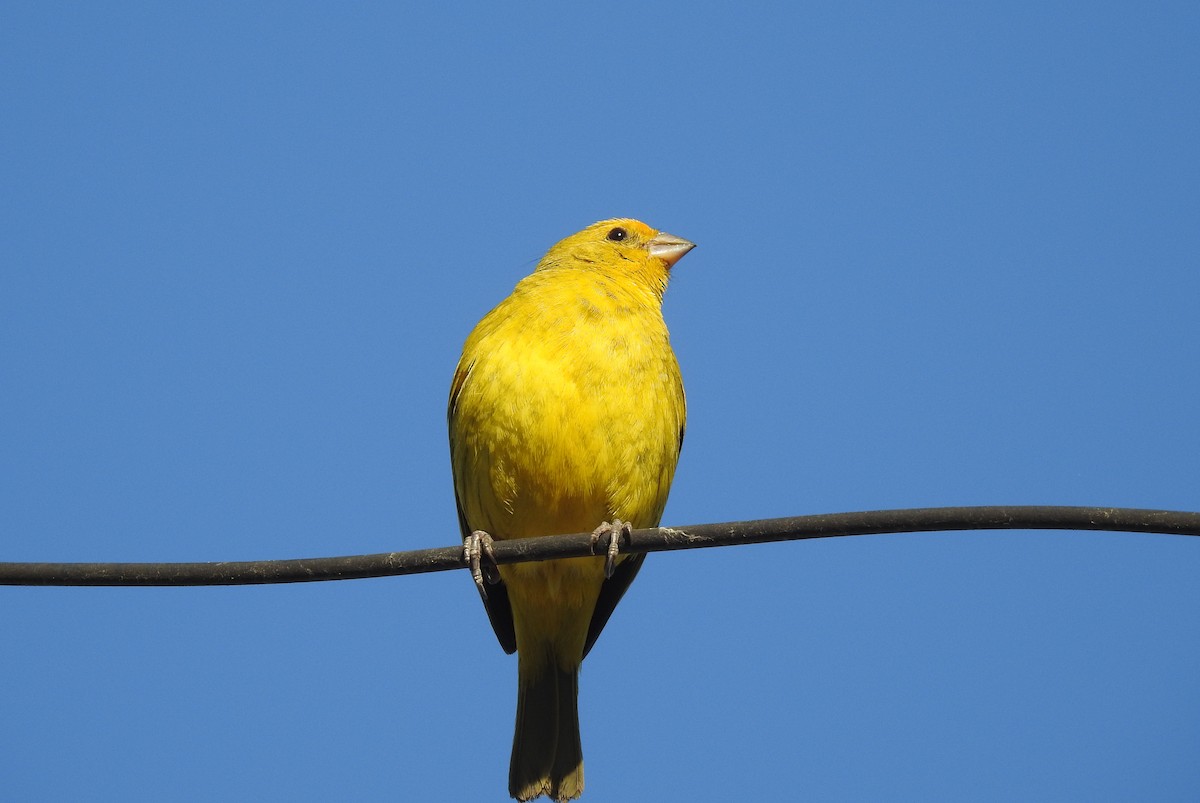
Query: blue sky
{"points": [[947, 256]]}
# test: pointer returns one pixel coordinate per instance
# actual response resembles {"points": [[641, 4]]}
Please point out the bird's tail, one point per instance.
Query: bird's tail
{"points": [[547, 758]]}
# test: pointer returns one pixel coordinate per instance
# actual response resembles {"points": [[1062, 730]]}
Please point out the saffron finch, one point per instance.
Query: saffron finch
{"points": [[566, 415]]}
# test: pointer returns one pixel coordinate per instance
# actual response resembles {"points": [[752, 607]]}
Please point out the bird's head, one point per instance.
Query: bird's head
{"points": [[620, 246]]}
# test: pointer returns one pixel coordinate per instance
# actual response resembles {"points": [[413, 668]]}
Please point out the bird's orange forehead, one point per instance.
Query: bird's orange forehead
{"points": [[634, 226]]}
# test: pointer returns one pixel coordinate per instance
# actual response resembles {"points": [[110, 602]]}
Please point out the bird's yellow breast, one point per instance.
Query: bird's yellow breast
{"points": [[568, 409]]}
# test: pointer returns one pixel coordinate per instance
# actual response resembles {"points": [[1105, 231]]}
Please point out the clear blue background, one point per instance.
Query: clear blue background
{"points": [[947, 255]]}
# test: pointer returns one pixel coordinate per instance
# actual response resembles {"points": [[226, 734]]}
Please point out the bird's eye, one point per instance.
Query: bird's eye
{"points": [[618, 234]]}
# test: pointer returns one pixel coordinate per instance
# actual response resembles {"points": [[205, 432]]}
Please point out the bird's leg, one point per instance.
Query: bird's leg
{"points": [[615, 530], [476, 547]]}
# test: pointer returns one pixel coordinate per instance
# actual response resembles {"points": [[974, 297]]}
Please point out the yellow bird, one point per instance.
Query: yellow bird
{"points": [[566, 415]]}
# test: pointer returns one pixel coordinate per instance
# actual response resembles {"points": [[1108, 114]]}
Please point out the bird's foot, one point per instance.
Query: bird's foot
{"points": [[477, 551], [614, 531]]}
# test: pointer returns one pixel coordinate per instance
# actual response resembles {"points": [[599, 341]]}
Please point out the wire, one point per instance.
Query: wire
{"points": [[658, 539]]}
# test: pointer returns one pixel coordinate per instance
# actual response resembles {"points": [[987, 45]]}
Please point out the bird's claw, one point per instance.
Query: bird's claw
{"points": [[614, 530], [476, 548]]}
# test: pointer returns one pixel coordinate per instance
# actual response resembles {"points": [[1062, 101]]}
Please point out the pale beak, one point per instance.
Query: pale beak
{"points": [[669, 248]]}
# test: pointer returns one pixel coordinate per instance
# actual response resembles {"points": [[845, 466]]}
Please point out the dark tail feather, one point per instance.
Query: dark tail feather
{"points": [[547, 758]]}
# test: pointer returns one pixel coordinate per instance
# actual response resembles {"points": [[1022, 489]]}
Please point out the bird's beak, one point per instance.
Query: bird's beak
{"points": [[669, 248]]}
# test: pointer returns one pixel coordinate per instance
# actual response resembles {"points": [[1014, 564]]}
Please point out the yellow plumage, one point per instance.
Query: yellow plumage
{"points": [[567, 411]]}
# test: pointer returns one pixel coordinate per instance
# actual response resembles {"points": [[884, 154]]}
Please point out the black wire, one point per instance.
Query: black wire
{"points": [[658, 539]]}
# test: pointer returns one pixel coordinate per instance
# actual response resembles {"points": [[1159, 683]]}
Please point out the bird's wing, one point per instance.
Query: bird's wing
{"points": [[610, 594], [498, 608], [614, 587]]}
